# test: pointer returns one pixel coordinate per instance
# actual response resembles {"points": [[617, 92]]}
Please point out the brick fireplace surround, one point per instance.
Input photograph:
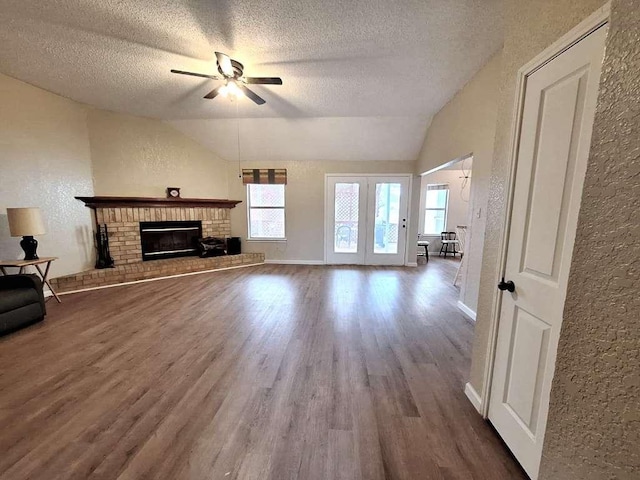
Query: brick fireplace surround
{"points": [[123, 216]]}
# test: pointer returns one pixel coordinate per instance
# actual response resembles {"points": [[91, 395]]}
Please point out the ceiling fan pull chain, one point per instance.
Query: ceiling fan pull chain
{"points": [[238, 124]]}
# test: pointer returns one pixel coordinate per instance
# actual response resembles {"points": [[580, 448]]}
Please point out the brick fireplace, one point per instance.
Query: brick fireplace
{"points": [[123, 224], [125, 217]]}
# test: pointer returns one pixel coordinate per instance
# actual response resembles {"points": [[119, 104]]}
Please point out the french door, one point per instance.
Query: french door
{"points": [[555, 135], [366, 219]]}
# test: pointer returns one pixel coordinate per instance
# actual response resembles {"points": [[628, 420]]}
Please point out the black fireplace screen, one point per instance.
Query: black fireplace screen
{"points": [[169, 239]]}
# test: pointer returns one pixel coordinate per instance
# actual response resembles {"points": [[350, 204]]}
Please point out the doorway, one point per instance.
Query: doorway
{"points": [[366, 219], [445, 200]]}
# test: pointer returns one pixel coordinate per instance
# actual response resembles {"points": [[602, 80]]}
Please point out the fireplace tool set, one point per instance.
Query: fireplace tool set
{"points": [[104, 259]]}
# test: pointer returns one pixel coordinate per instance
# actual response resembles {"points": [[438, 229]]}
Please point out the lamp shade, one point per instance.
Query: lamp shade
{"points": [[24, 222]]}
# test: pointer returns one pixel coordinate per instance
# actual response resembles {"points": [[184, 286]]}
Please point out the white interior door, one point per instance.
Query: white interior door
{"points": [[557, 119], [366, 219]]}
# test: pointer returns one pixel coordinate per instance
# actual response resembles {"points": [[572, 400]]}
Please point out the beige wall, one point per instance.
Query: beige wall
{"points": [[594, 416], [466, 125], [135, 156], [304, 205], [530, 27], [44, 162], [593, 423], [52, 149]]}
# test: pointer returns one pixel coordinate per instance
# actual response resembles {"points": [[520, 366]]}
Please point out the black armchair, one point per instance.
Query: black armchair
{"points": [[21, 302]]}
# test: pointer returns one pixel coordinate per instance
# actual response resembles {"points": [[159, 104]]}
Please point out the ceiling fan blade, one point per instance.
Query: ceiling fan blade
{"points": [[213, 93], [193, 74], [252, 95], [264, 80], [225, 64]]}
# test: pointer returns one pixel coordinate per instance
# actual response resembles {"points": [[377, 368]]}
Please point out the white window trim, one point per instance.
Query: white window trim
{"points": [[272, 240], [284, 211], [444, 186]]}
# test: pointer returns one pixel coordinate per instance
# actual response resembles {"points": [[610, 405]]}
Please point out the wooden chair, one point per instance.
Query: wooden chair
{"points": [[449, 243], [423, 242]]}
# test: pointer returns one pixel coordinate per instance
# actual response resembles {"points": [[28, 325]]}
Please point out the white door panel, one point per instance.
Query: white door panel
{"points": [[555, 135]]}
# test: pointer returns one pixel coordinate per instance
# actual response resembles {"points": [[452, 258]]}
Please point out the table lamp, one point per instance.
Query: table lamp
{"points": [[25, 223]]}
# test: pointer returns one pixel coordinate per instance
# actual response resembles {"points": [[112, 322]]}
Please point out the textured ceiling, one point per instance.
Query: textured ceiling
{"points": [[299, 139], [337, 58]]}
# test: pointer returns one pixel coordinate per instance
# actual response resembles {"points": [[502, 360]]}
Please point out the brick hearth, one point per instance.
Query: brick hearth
{"points": [[123, 225], [152, 269]]}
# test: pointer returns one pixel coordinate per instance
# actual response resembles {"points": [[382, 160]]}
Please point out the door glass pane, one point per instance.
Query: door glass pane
{"points": [[387, 224], [347, 204]]}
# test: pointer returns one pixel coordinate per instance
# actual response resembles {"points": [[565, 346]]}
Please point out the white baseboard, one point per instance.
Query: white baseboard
{"points": [[473, 397], [158, 278], [467, 311], [272, 261], [294, 262]]}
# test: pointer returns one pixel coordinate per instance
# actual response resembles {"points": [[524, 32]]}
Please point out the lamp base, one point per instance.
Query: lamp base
{"points": [[29, 245]]}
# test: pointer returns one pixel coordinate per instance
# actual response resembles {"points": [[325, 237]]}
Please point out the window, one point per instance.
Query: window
{"points": [[435, 212], [265, 205]]}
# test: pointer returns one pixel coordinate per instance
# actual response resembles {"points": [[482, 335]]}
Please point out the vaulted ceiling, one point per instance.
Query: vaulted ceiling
{"points": [[374, 71]]}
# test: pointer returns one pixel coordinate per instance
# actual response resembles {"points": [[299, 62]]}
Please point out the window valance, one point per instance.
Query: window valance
{"points": [[272, 176]]}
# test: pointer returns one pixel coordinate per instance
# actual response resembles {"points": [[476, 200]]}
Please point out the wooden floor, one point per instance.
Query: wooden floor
{"points": [[270, 372]]}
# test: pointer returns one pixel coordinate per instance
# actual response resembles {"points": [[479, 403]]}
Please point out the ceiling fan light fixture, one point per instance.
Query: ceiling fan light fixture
{"points": [[233, 89], [235, 84]]}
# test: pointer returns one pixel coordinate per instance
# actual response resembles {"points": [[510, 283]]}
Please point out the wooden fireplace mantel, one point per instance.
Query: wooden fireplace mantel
{"points": [[142, 202]]}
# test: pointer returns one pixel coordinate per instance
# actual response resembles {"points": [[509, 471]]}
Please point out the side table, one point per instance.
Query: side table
{"points": [[21, 264]]}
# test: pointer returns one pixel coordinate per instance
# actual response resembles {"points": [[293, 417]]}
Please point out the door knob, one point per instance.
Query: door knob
{"points": [[508, 286]]}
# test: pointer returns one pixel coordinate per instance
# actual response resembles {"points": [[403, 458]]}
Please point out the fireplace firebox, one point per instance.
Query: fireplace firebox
{"points": [[169, 239]]}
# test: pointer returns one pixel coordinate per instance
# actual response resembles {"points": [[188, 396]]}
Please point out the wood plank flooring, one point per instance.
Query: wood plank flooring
{"points": [[270, 372]]}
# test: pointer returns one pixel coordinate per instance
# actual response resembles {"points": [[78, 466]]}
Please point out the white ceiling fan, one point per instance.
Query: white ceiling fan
{"points": [[235, 84]]}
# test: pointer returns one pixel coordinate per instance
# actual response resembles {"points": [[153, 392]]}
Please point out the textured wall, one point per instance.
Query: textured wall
{"points": [[467, 124], [530, 27], [44, 162], [51, 145], [594, 418], [135, 156], [304, 205]]}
